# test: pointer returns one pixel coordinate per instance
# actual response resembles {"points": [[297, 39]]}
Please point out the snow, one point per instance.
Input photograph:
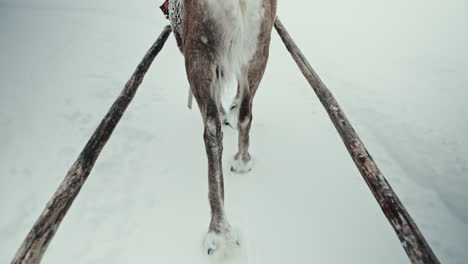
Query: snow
{"points": [[399, 70]]}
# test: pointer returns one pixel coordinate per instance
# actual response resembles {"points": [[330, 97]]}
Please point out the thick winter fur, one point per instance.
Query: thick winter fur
{"points": [[224, 41]]}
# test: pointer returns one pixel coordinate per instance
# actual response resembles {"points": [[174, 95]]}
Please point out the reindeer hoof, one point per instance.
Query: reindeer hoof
{"points": [[241, 166], [221, 244], [240, 171]]}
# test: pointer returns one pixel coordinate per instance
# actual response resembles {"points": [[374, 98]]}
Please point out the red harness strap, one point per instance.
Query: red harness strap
{"points": [[165, 8]]}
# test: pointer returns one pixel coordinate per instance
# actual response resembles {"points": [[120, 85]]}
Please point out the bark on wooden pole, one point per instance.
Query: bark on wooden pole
{"points": [[35, 244], [411, 238]]}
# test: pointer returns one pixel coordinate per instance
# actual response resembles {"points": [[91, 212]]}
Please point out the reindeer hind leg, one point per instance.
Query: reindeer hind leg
{"points": [[220, 238], [202, 78], [242, 160]]}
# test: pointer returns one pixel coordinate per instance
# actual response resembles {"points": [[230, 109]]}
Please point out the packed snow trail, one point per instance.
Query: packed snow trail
{"points": [[146, 200]]}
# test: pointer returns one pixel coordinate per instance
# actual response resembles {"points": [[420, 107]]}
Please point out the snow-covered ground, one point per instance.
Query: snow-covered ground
{"points": [[398, 68]]}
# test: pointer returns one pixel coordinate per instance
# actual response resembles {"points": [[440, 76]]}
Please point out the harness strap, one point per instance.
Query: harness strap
{"points": [[165, 8]]}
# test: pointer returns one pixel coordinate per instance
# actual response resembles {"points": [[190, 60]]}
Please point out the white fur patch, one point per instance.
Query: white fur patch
{"points": [[240, 22]]}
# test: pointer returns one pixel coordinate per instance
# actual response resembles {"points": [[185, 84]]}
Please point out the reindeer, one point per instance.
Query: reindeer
{"points": [[223, 40]]}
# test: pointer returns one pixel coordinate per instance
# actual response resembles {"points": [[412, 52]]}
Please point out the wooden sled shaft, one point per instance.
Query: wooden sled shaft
{"points": [[411, 238], [34, 246]]}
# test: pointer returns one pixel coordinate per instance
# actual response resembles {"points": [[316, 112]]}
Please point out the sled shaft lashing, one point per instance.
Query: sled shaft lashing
{"points": [[34, 246], [412, 240]]}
